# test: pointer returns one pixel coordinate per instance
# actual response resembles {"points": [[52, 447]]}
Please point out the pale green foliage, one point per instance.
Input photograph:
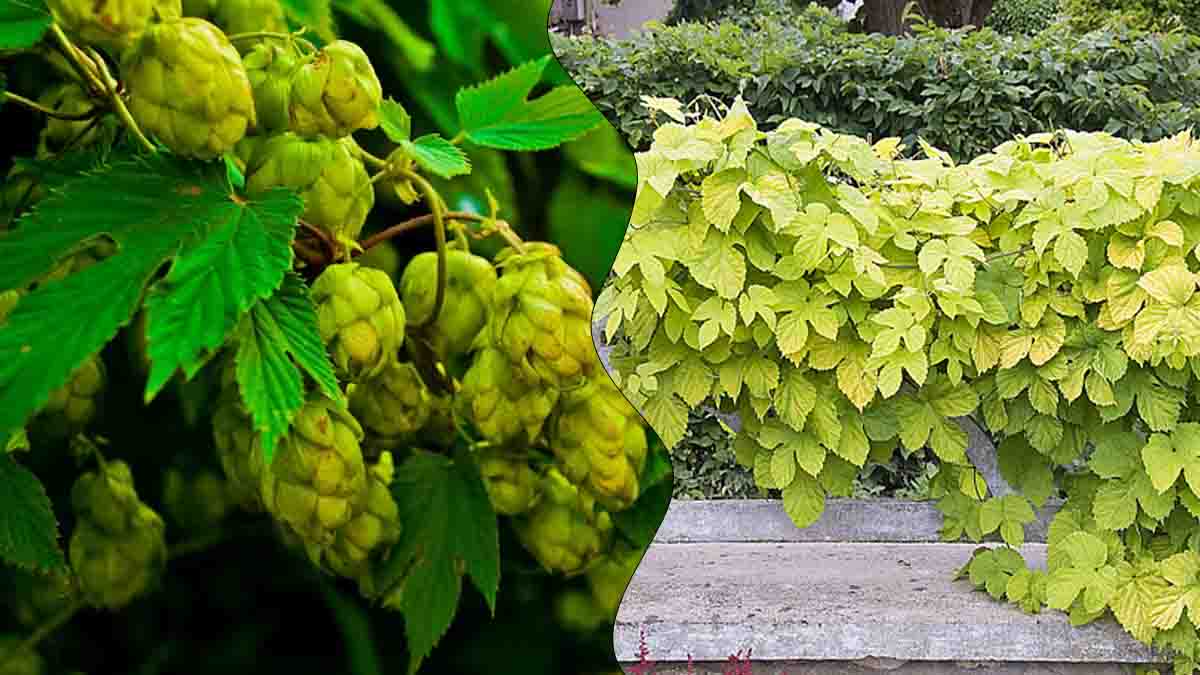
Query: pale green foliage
{"points": [[848, 304]]}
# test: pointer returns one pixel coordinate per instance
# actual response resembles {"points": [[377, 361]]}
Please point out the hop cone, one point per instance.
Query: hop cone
{"points": [[392, 406], [501, 405], [71, 99], [577, 611], [599, 441], [25, 662], [384, 257], [375, 527], [238, 447], [512, 485], [118, 547], [329, 177], [609, 578], [335, 92], [111, 24], [541, 315], [470, 281], [188, 88], [248, 16], [269, 66], [73, 406], [565, 532], [41, 596], [197, 502], [360, 318], [317, 480]]}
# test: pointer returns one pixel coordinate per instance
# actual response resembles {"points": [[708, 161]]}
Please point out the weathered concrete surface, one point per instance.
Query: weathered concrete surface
{"points": [[901, 668], [849, 520], [837, 602]]}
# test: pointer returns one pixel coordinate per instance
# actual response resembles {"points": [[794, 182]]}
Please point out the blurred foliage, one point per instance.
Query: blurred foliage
{"points": [[1152, 15], [1022, 17]]}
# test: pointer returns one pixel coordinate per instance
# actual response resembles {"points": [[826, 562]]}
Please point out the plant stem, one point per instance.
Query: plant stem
{"points": [[278, 36], [17, 98], [118, 104], [41, 633], [323, 236], [439, 233], [77, 59], [457, 140]]}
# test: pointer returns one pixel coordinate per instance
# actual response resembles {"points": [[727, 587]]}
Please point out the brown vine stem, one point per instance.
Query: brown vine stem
{"points": [[439, 233], [17, 98], [41, 633], [988, 259], [502, 229], [313, 258], [323, 236]]}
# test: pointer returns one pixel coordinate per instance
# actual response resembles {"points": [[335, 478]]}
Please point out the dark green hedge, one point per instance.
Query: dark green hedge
{"points": [[965, 92], [1022, 17]]}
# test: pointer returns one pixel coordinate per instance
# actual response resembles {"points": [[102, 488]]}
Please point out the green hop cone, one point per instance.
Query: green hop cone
{"points": [[503, 407], [188, 88], [360, 318], [74, 405], [565, 532], [118, 548], [335, 92], [25, 662], [392, 406], [599, 440], [68, 98], [196, 502], [328, 175], [248, 16], [373, 529], [577, 611], [111, 24], [270, 66], [238, 447], [317, 479], [610, 576], [384, 257], [42, 596], [512, 485], [470, 280], [541, 315]]}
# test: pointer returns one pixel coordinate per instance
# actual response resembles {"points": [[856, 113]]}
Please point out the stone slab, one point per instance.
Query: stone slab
{"points": [[847, 520], [843, 602], [886, 667]]}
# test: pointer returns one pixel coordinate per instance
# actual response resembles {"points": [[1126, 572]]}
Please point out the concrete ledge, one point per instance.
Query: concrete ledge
{"points": [[844, 602], [887, 667], [844, 520]]}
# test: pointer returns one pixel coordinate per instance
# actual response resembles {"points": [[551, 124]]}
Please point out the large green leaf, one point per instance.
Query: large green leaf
{"points": [[22, 23], [28, 530]]}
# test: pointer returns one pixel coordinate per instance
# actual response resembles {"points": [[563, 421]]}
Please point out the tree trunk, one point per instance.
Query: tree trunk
{"points": [[884, 16]]}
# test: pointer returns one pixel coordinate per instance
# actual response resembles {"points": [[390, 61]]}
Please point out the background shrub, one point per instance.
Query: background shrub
{"points": [[1154, 15], [965, 92], [1022, 17]]}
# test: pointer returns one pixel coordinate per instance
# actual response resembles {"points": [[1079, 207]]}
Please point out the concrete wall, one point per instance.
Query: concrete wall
{"points": [[628, 16]]}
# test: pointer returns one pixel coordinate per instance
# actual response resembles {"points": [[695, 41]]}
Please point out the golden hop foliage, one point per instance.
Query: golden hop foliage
{"points": [[372, 529], [118, 547], [360, 318], [470, 281], [26, 662], [328, 175], [501, 405], [541, 315], [71, 99], [565, 532], [41, 596], [74, 405], [188, 88], [269, 65], [317, 479], [335, 92], [197, 502], [393, 405], [599, 440], [111, 24], [512, 485]]}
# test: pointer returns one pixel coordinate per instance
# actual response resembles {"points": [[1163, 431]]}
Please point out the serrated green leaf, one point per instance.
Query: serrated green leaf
{"points": [[282, 326], [438, 156], [450, 531], [28, 529], [395, 121], [804, 500], [23, 23], [496, 113]]}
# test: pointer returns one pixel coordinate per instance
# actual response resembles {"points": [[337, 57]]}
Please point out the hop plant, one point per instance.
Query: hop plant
{"points": [[565, 532], [599, 440], [68, 98], [74, 405], [384, 257], [269, 66], [541, 315], [93, 252], [188, 88], [360, 318], [118, 548], [24, 662], [111, 24], [470, 281], [501, 405], [238, 449], [248, 16], [374, 528], [328, 175], [335, 92], [197, 502], [512, 485], [577, 611], [317, 480], [21, 190], [609, 578], [42, 596], [393, 405]]}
